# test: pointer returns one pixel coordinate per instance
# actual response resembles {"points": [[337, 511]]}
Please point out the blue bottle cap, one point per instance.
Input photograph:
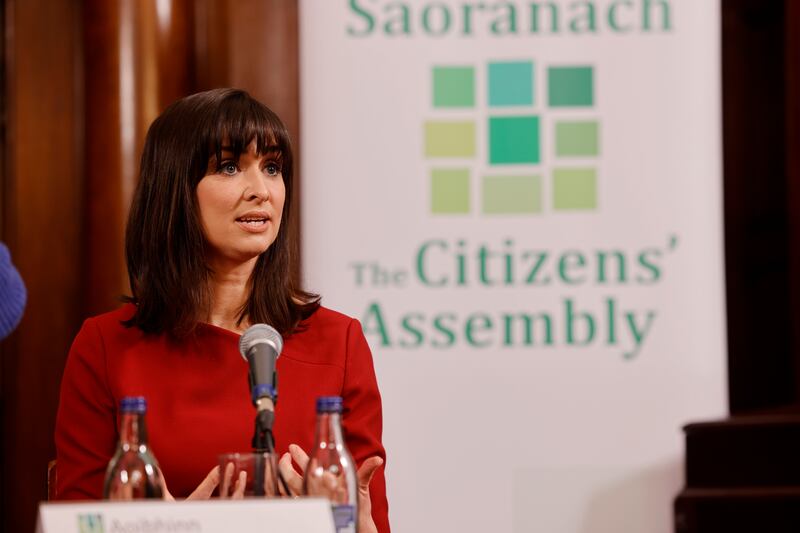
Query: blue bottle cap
{"points": [[133, 404], [329, 404]]}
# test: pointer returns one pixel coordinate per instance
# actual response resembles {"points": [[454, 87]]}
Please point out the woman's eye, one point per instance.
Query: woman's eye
{"points": [[228, 168], [272, 169]]}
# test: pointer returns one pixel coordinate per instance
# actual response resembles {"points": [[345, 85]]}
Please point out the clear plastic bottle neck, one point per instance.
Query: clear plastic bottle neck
{"points": [[329, 430], [132, 430]]}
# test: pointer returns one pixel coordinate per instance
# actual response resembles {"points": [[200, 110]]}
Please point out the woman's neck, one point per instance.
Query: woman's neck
{"points": [[229, 292]]}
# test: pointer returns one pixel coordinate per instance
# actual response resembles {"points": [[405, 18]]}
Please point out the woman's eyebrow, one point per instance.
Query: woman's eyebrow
{"points": [[267, 149], [223, 152]]}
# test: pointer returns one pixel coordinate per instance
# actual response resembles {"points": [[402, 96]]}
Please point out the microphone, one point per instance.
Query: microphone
{"points": [[260, 345]]}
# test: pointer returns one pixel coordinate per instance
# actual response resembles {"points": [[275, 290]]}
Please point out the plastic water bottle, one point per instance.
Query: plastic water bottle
{"points": [[133, 472], [331, 472]]}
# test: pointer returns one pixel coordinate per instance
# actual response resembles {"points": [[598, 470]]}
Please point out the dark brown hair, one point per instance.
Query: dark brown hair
{"points": [[165, 247]]}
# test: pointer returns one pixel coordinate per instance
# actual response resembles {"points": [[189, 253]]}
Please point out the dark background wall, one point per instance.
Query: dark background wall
{"points": [[761, 114], [83, 79]]}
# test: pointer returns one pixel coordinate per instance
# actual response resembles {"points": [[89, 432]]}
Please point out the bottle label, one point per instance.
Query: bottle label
{"points": [[344, 518]]}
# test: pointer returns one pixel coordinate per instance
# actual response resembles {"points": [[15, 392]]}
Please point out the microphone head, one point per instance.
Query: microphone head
{"points": [[260, 334]]}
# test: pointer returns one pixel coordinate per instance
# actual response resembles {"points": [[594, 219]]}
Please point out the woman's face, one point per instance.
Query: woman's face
{"points": [[241, 203]]}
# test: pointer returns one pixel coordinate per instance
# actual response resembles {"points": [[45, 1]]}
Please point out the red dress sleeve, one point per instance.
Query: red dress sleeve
{"points": [[85, 432], [362, 419]]}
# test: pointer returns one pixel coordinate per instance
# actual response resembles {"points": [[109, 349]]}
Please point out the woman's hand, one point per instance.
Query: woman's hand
{"points": [[294, 480], [365, 472], [232, 490], [203, 491]]}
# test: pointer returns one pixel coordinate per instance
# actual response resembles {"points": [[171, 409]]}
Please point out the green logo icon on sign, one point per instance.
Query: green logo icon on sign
{"points": [[90, 523], [532, 154]]}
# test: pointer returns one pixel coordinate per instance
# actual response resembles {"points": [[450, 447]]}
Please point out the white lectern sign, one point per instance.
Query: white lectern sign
{"points": [[215, 516]]}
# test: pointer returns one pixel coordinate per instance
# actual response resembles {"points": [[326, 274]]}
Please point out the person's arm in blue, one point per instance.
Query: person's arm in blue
{"points": [[12, 294]]}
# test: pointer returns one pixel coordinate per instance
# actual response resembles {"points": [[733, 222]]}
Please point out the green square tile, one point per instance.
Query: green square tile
{"points": [[570, 86], [449, 191], [511, 194], [577, 138], [513, 140], [453, 87], [575, 188], [511, 84], [449, 138]]}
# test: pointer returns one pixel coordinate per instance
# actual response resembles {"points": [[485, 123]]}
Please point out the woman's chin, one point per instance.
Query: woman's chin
{"points": [[235, 259]]}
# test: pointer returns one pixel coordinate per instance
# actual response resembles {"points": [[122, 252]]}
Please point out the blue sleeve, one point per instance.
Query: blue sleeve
{"points": [[12, 294]]}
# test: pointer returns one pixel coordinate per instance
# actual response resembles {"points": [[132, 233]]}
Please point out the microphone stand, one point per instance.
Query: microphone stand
{"points": [[264, 442], [263, 439]]}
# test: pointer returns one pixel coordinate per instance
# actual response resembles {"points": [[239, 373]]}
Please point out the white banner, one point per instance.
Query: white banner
{"points": [[521, 201]]}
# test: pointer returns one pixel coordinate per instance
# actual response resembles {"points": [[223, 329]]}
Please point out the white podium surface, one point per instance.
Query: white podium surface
{"points": [[212, 516]]}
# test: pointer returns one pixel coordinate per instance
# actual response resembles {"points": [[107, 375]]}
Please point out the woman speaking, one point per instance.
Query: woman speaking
{"points": [[208, 256]]}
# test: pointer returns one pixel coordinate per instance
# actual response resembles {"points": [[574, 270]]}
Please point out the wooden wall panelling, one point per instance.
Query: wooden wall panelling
{"points": [[42, 212], [139, 58], [4, 187], [110, 146], [175, 52]]}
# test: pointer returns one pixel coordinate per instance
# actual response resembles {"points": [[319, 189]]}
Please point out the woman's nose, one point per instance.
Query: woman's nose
{"points": [[255, 185]]}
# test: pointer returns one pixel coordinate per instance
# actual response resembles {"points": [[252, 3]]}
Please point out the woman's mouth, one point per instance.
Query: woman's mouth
{"points": [[253, 223]]}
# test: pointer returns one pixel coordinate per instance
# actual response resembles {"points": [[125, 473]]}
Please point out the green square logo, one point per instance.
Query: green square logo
{"points": [[577, 138], [513, 140], [453, 87], [511, 194], [511, 83], [521, 180], [449, 138], [90, 523], [575, 188], [570, 86], [449, 191]]}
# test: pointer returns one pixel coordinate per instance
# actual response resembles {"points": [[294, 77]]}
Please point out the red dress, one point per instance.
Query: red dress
{"points": [[198, 399]]}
